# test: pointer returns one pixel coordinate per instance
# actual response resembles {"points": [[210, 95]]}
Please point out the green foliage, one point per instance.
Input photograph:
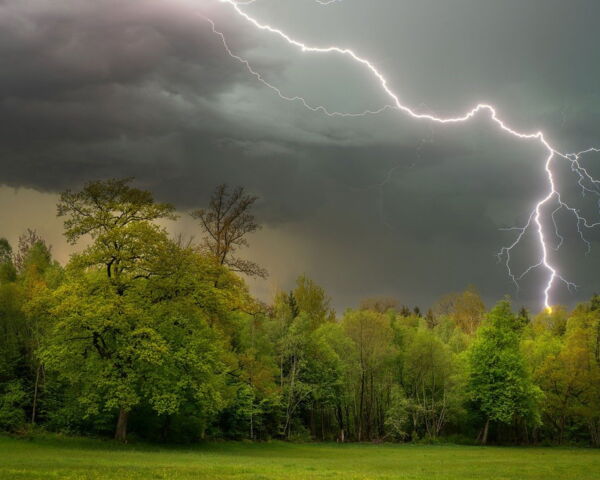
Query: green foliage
{"points": [[12, 331], [12, 401], [397, 415], [371, 371], [466, 309], [130, 323], [140, 332], [104, 208], [5, 251], [312, 300], [8, 272], [569, 374], [432, 382], [121, 349], [499, 384]]}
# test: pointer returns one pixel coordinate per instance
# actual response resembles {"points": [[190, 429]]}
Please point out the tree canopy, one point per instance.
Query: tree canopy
{"points": [[142, 333]]}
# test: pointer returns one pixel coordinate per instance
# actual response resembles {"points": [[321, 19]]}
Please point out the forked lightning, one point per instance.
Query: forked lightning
{"points": [[536, 220]]}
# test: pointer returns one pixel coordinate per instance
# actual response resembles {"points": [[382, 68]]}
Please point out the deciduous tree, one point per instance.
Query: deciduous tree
{"points": [[499, 383], [227, 222]]}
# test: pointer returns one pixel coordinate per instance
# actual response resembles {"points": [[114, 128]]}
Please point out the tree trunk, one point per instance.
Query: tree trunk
{"points": [[361, 404], [35, 394], [561, 430], [166, 428], [485, 432], [597, 353], [121, 431], [288, 412]]}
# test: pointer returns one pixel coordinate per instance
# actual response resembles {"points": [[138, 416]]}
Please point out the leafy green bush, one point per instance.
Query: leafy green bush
{"points": [[12, 400]]}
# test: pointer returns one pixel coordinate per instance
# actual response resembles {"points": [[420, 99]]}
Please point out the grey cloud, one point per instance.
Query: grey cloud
{"points": [[376, 204]]}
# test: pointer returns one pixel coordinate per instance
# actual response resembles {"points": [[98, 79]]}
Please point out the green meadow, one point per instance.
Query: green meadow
{"points": [[76, 459]]}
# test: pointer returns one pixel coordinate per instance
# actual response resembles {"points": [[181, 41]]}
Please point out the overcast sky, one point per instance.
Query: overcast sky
{"points": [[373, 205]]}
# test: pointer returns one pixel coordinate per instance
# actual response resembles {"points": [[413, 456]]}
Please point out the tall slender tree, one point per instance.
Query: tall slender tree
{"points": [[500, 385]]}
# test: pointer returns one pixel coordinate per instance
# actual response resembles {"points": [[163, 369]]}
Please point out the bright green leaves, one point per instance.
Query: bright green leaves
{"points": [[499, 383]]}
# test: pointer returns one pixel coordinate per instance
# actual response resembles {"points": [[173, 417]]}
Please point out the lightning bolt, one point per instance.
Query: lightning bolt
{"points": [[552, 196]]}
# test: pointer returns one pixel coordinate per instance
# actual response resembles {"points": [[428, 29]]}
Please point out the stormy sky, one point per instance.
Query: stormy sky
{"points": [[377, 205]]}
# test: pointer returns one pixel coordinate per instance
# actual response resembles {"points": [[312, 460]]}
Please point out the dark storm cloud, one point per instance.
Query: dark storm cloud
{"points": [[64, 47], [371, 205], [90, 86]]}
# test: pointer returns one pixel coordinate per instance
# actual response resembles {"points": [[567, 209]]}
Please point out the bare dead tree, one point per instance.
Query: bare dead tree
{"points": [[227, 221]]}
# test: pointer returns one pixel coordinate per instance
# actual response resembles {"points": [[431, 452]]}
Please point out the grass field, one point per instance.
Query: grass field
{"points": [[55, 458]]}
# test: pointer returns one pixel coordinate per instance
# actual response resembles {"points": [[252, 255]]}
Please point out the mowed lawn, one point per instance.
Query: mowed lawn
{"points": [[56, 458]]}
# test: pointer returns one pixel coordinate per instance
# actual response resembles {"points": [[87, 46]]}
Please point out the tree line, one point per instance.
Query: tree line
{"points": [[148, 336]]}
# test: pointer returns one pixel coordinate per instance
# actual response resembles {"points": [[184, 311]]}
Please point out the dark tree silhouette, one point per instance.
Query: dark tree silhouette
{"points": [[227, 221]]}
